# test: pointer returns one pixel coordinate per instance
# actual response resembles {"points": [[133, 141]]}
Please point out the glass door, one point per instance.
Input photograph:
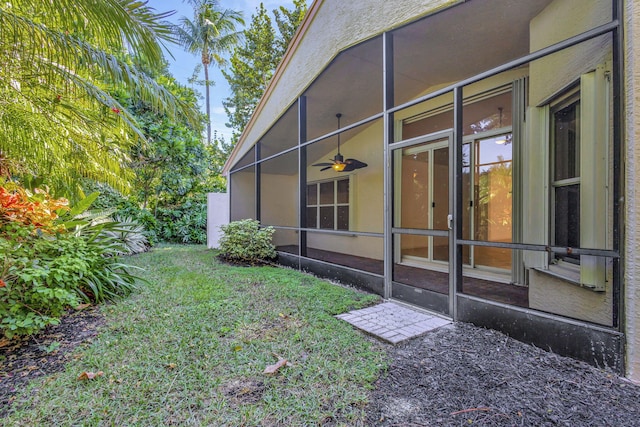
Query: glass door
{"points": [[420, 226], [492, 213]]}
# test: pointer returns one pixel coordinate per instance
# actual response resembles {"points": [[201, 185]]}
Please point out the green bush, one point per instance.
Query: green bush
{"points": [[185, 223], [123, 207], [245, 241], [31, 297], [42, 275], [130, 233]]}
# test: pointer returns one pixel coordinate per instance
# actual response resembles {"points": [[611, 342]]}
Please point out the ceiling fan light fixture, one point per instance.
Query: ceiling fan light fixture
{"points": [[338, 163]]}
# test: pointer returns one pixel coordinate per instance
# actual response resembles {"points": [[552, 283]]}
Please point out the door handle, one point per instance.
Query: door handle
{"points": [[450, 221]]}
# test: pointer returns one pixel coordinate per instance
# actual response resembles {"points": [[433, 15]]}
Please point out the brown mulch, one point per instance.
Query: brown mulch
{"points": [[459, 375], [463, 375], [44, 353]]}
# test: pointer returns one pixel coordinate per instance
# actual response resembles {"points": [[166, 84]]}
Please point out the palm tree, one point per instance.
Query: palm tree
{"points": [[61, 60], [211, 34]]}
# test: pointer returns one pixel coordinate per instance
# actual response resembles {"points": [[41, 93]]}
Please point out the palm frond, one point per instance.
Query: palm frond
{"points": [[61, 61]]}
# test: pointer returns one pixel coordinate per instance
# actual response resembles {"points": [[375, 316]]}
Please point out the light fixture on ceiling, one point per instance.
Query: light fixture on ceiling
{"points": [[338, 163]]}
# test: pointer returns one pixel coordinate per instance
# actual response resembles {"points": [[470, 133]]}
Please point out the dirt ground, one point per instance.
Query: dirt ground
{"points": [[462, 375], [44, 353], [458, 375]]}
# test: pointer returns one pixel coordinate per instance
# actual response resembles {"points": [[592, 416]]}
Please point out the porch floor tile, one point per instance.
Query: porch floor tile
{"points": [[393, 322]]}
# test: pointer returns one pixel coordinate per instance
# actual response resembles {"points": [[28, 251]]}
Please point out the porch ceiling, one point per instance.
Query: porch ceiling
{"points": [[441, 49], [461, 42]]}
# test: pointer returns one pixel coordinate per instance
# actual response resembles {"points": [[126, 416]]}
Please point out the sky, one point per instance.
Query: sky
{"points": [[182, 64]]}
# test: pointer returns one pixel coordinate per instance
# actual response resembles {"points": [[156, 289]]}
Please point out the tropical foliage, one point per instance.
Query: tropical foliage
{"points": [[211, 34], [255, 60], [51, 262], [288, 21], [246, 242], [35, 208], [60, 60], [173, 170]]}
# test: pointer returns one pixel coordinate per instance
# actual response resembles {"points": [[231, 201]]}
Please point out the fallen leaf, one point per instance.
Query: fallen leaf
{"points": [[237, 348], [273, 369], [4, 342], [89, 375], [82, 306], [171, 366]]}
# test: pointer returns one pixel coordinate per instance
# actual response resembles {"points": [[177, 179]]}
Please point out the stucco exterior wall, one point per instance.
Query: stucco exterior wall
{"points": [[366, 195], [279, 194], [558, 21], [549, 77], [244, 183], [336, 25], [632, 193], [217, 215], [552, 295]]}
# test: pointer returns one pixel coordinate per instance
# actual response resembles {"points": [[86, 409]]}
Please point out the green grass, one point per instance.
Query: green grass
{"points": [[190, 348]]}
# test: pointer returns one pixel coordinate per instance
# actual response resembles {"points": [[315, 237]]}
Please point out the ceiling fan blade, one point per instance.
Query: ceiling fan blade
{"points": [[324, 169], [356, 164], [349, 167], [323, 164]]}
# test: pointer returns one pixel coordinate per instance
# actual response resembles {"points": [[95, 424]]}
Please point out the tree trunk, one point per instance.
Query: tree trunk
{"points": [[206, 86]]}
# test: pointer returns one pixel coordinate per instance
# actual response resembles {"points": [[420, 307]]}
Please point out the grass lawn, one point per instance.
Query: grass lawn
{"points": [[190, 348]]}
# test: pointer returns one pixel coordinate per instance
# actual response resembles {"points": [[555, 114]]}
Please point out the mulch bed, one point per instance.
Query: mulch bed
{"points": [[454, 376], [44, 353], [462, 375]]}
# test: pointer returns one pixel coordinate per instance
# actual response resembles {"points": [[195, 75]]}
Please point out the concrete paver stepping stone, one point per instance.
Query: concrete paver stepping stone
{"points": [[393, 322]]}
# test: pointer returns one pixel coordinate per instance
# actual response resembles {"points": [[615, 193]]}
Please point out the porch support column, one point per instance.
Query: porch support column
{"points": [[388, 93], [257, 157], [302, 174], [619, 313], [455, 203]]}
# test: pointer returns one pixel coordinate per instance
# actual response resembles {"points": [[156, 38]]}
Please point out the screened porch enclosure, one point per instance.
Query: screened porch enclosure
{"points": [[487, 177]]}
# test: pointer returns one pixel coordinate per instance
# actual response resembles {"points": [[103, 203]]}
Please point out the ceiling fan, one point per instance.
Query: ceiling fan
{"points": [[338, 163]]}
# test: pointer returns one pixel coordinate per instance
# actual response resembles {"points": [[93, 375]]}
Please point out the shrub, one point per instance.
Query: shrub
{"points": [[123, 207], [50, 263], [37, 207], [185, 223], [130, 233], [245, 241], [33, 291], [42, 275]]}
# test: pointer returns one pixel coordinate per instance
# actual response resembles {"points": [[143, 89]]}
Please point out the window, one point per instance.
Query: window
{"points": [[565, 175], [328, 204]]}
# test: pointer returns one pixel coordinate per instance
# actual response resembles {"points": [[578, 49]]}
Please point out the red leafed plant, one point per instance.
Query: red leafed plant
{"points": [[37, 208]]}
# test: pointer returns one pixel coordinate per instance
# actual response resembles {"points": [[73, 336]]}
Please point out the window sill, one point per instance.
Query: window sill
{"points": [[568, 273]]}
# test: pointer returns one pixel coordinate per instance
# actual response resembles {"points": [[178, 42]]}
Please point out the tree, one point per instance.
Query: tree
{"points": [[171, 156], [254, 61], [252, 66], [288, 22], [59, 61], [211, 34]]}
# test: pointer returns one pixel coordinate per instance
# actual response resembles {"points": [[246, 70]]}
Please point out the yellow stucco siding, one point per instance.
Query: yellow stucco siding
{"points": [[280, 194], [366, 194], [560, 20]]}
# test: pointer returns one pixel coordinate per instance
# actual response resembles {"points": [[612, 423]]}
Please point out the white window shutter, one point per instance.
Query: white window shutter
{"points": [[594, 171], [535, 184]]}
